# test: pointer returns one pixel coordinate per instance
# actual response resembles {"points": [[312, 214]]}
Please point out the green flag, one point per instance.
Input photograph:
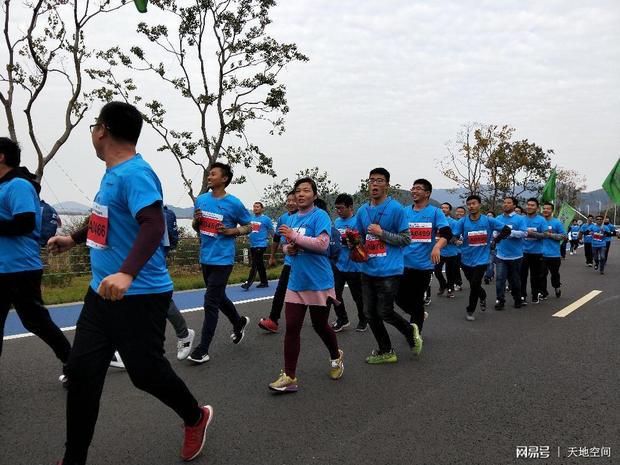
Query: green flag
{"points": [[612, 183], [566, 215], [141, 5], [548, 193]]}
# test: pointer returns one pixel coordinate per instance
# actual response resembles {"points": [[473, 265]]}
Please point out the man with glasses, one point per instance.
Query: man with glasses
{"points": [[384, 232]]}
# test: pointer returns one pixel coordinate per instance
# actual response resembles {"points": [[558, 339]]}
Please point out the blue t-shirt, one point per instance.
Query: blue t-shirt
{"points": [[216, 248], [450, 250], [345, 264], [125, 189], [598, 235], [574, 232], [551, 247], [311, 271], [19, 253], [511, 248], [283, 220], [477, 238], [423, 226], [610, 228], [262, 228], [535, 224], [383, 259], [587, 239]]}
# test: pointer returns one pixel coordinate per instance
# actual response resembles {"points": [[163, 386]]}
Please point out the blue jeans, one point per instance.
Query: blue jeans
{"points": [[511, 270], [490, 273], [600, 257]]}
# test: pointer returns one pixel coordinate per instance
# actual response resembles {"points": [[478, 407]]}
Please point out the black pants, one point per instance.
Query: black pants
{"points": [[411, 294], [379, 294], [587, 248], [452, 272], [216, 300], [607, 246], [532, 265], [23, 291], [257, 263], [278, 297], [574, 245], [563, 248], [551, 265], [475, 274], [354, 280], [458, 279], [135, 326]]}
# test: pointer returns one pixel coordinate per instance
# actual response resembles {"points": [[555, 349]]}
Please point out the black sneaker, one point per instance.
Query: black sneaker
{"points": [[499, 304], [596, 266], [487, 281], [543, 296], [198, 356], [237, 335], [483, 305], [441, 291], [338, 326], [245, 286], [523, 301], [262, 286], [535, 300], [558, 290], [361, 326], [450, 294]]}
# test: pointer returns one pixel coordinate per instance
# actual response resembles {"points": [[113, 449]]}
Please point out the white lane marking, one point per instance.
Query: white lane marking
{"points": [[576, 304], [187, 310]]}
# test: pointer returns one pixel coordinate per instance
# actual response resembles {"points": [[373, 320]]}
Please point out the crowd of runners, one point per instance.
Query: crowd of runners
{"points": [[386, 254]]}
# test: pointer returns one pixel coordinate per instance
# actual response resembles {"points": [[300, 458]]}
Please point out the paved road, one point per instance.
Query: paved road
{"points": [[516, 378]]}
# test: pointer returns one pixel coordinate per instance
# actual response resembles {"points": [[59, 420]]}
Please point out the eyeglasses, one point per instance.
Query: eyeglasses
{"points": [[418, 188], [377, 181], [93, 126]]}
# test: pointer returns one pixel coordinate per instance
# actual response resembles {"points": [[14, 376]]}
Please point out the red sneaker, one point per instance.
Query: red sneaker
{"points": [[194, 439], [268, 325]]}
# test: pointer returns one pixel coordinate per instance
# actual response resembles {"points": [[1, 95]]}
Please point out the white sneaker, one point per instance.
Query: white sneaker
{"points": [[116, 361], [470, 317], [184, 346]]}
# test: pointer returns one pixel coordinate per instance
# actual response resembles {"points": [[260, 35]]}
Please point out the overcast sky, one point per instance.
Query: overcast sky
{"points": [[390, 82]]}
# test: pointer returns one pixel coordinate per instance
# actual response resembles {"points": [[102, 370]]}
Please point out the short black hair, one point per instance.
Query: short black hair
{"points": [[260, 203], [550, 204], [226, 171], [381, 171], [306, 180], [122, 120], [11, 151], [533, 199], [514, 200], [473, 197], [461, 208], [427, 184], [344, 199], [448, 204], [590, 216], [599, 216], [320, 203], [289, 193]]}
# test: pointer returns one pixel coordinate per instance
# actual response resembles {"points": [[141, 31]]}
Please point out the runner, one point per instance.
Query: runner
{"points": [[554, 235], [20, 267], [270, 324], [216, 217], [533, 252], [311, 284], [585, 233], [509, 254], [384, 232], [599, 251], [490, 272], [449, 258], [459, 212], [608, 239], [477, 231], [574, 237], [346, 271], [430, 232], [262, 230], [126, 304]]}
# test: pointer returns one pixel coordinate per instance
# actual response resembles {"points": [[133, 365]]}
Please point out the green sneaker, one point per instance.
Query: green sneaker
{"points": [[418, 342], [375, 358]]}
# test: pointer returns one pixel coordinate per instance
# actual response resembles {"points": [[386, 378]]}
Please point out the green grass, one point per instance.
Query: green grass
{"points": [[73, 289]]}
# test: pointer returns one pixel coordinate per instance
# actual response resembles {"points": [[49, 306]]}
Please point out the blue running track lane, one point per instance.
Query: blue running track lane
{"points": [[66, 316]]}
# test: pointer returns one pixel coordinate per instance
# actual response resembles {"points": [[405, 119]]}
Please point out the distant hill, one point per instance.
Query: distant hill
{"points": [[71, 208]]}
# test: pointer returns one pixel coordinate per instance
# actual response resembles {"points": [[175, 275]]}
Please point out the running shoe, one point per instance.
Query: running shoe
{"points": [[483, 305], [268, 325], [470, 317], [458, 287], [427, 300], [117, 361], [535, 300], [64, 380], [425, 315], [199, 356], [238, 334], [376, 358], [487, 281], [417, 340], [596, 266], [450, 294], [284, 383], [441, 291], [338, 326], [246, 286], [262, 286], [499, 304], [361, 326], [558, 290], [184, 345], [194, 438], [337, 366]]}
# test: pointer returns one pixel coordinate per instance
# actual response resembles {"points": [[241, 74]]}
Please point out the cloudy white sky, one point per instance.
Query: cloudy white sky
{"points": [[390, 82]]}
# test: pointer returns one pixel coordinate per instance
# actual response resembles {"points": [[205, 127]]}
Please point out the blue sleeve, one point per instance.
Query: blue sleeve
{"points": [[243, 215], [442, 220], [560, 227], [22, 197], [323, 224], [400, 220], [142, 189], [269, 224], [360, 225], [458, 227]]}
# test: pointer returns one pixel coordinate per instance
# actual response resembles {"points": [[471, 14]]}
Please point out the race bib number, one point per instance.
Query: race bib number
{"points": [[209, 223], [97, 236], [597, 236], [255, 226], [421, 232], [375, 247], [477, 238]]}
